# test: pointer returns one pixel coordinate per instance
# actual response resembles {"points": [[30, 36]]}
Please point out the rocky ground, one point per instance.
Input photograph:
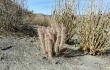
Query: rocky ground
{"points": [[24, 53]]}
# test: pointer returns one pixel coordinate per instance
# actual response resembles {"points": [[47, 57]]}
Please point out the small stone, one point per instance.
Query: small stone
{"points": [[57, 62], [45, 58], [2, 58]]}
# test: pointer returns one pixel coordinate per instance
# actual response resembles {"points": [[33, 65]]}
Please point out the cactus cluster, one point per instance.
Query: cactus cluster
{"points": [[52, 39]]}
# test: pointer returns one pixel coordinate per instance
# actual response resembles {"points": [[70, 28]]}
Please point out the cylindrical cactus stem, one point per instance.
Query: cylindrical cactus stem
{"points": [[50, 34], [49, 45], [56, 47], [41, 37], [62, 37], [46, 45]]}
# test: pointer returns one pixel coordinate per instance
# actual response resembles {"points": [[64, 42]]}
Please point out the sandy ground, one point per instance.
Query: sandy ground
{"points": [[24, 53]]}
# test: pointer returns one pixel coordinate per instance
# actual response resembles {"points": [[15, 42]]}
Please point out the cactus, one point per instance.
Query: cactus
{"points": [[52, 39]]}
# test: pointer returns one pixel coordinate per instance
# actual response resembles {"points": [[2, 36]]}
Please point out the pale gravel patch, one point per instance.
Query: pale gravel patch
{"points": [[25, 54]]}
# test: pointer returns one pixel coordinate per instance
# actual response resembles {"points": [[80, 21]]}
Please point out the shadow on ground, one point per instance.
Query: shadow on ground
{"points": [[67, 52]]}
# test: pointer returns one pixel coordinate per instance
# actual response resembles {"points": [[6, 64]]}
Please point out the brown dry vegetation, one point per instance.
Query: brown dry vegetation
{"points": [[12, 14], [39, 19], [15, 17], [90, 26]]}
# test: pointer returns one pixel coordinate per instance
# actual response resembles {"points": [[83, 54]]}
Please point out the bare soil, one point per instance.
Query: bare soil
{"points": [[24, 53]]}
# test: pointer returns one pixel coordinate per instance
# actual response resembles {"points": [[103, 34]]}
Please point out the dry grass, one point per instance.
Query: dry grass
{"points": [[40, 19]]}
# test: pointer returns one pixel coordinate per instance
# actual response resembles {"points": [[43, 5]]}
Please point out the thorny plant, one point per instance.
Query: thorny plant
{"points": [[52, 39]]}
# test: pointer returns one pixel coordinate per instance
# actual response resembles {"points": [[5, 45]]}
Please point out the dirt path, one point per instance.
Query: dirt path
{"points": [[23, 53]]}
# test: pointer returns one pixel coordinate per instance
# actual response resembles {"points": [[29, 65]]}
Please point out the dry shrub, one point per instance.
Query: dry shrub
{"points": [[40, 19], [52, 39], [93, 31], [11, 13], [65, 13], [91, 24]]}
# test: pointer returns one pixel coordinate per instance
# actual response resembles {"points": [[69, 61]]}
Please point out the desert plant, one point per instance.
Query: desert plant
{"points": [[93, 31], [12, 13], [52, 39], [65, 13], [38, 19], [91, 24]]}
